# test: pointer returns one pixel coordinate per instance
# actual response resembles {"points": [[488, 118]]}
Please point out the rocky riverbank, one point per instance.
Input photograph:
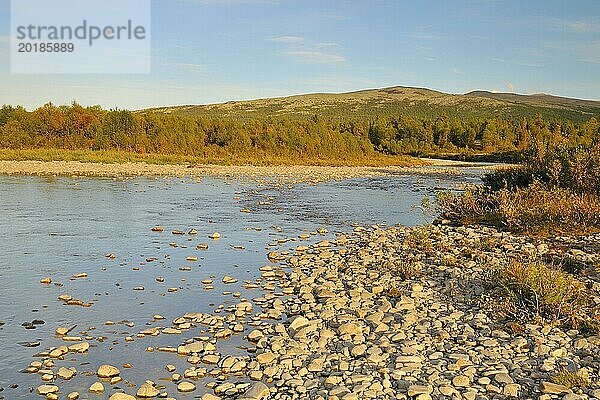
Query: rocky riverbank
{"points": [[392, 313], [289, 174]]}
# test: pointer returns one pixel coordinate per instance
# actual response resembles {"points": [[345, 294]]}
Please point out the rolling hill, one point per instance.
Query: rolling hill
{"points": [[394, 101]]}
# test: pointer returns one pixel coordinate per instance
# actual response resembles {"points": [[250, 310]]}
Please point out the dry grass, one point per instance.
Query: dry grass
{"points": [[420, 238], [571, 379], [538, 210], [538, 290], [533, 210]]}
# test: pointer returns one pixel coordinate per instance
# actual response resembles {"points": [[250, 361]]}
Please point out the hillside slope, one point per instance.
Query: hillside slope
{"points": [[398, 100]]}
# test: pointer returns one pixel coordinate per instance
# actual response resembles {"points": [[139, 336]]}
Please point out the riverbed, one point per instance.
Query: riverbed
{"points": [[100, 230]]}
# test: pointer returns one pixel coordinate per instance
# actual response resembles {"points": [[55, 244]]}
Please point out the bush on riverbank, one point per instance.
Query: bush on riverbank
{"points": [[574, 168], [532, 210], [556, 190], [537, 289], [571, 379]]}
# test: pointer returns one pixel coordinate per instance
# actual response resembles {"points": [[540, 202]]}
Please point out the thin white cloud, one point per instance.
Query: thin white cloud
{"points": [[590, 60], [583, 51], [517, 62], [427, 36], [305, 50], [576, 26], [510, 86], [192, 67], [230, 2], [326, 44], [427, 52], [316, 56], [287, 39]]}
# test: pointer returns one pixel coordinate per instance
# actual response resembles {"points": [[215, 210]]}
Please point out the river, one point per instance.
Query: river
{"points": [[58, 227]]}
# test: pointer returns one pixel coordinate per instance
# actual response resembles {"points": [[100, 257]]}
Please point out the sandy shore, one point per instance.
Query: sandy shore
{"points": [[297, 172]]}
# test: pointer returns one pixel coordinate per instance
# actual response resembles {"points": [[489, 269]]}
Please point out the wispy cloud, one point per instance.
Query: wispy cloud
{"points": [[576, 26], [230, 2], [427, 36], [428, 33], [590, 60], [305, 50], [427, 52], [583, 51], [510, 86], [531, 64], [286, 39], [326, 44], [316, 56], [191, 67]]}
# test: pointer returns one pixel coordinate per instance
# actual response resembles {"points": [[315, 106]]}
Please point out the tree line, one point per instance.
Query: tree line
{"points": [[93, 128]]}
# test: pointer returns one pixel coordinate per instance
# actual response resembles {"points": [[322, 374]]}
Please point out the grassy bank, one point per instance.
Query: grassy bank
{"points": [[535, 210], [555, 191], [263, 159]]}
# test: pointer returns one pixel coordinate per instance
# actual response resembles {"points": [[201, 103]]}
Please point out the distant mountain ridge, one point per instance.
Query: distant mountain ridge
{"points": [[393, 101]]}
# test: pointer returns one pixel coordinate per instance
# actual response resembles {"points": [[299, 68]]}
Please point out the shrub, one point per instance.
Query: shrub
{"points": [[571, 379], [534, 209], [538, 210], [573, 168], [474, 205], [537, 289]]}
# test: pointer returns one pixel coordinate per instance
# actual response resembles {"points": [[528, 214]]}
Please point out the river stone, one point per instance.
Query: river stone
{"points": [[553, 388], [298, 323], [108, 371], [350, 328], [46, 389], [316, 365], [80, 347], [257, 391], [121, 396], [96, 387], [73, 396], [66, 373], [209, 396], [147, 391], [503, 378], [265, 358], [255, 335], [460, 381], [186, 387], [511, 390], [211, 359], [414, 390], [61, 330]]}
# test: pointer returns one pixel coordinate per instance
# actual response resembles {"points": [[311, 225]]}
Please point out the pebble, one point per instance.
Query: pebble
{"points": [[108, 371], [186, 387], [96, 387]]}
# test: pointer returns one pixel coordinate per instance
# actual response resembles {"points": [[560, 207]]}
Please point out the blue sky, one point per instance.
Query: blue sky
{"points": [[206, 51]]}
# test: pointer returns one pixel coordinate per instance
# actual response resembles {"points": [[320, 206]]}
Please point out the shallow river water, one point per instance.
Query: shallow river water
{"points": [[58, 227]]}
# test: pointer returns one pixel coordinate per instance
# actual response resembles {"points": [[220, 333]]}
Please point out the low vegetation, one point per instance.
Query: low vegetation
{"points": [[556, 190], [535, 209], [536, 289], [571, 379]]}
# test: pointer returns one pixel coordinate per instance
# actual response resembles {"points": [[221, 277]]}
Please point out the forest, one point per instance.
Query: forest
{"points": [[75, 127]]}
